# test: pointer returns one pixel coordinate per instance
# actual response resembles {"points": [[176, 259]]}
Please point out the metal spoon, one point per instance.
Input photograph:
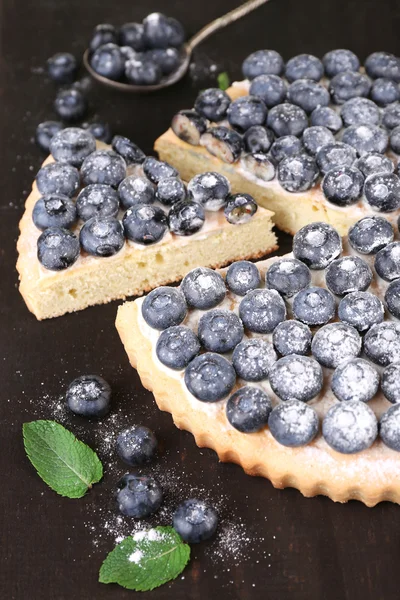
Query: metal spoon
{"points": [[187, 51]]}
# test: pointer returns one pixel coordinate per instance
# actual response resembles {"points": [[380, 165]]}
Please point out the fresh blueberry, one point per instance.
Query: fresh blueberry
{"points": [[337, 61], [203, 288], [89, 396], [360, 111], [383, 64], [72, 145], [224, 143], [348, 274], [355, 380], [145, 224], [188, 125], [132, 35], [382, 191], [262, 310], [335, 343], [58, 178], [102, 236], [314, 306], [326, 117], [297, 173], [286, 146], [131, 153], [242, 276], [261, 165], [292, 337], [390, 383], [143, 70], [62, 67], [317, 245], [136, 190], [373, 162], [304, 66], [350, 427], [370, 234], [155, 169], [270, 88], [308, 94], [161, 31], [295, 377], [348, 84], [382, 343], [258, 139], [128, 53], [240, 208], [385, 91], [186, 217], [164, 307], [97, 200], [138, 496], [136, 445], [167, 59], [70, 104], [366, 138], [57, 248], [177, 346], [103, 166], [395, 139], [54, 210], [315, 137], [212, 104], [210, 377], [45, 132], [389, 428], [392, 298], [293, 423], [103, 34], [195, 521], [391, 115], [262, 62], [209, 189], [220, 331], [248, 409], [288, 276], [170, 190], [252, 359], [101, 131], [343, 186], [335, 156], [246, 111], [361, 310], [287, 119], [387, 262]]}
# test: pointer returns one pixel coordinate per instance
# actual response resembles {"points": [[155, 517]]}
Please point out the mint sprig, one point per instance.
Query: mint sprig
{"points": [[223, 81], [66, 464], [146, 560]]}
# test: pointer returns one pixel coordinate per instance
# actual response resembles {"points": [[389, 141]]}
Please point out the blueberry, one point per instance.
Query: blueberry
{"points": [[355, 380], [373, 162], [360, 111], [297, 173], [212, 104], [317, 245], [395, 139], [383, 64], [186, 217], [45, 132], [285, 146], [293, 423], [145, 224], [304, 66], [391, 115], [385, 91], [366, 138], [170, 190], [382, 343], [161, 31], [295, 377], [57, 248], [335, 343], [361, 310], [62, 67], [314, 306], [387, 262], [370, 234], [210, 377], [164, 307], [103, 166], [287, 119], [195, 521], [389, 428], [343, 186], [203, 288], [270, 88], [128, 53], [101, 131], [248, 409], [350, 427], [132, 35], [258, 139], [262, 62], [242, 276], [252, 359], [348, 274], [136, 190], [224, 143], [348, 84], [314, 138], [58, 178], [108, 61], [102, 236], [246, 111], [131, 153], [220, 331], [89, 396], [209, 189], [177, 346], [136, 445], [390, 383], [188, 125], [142, 70], [72, 145], [138, 496], [262, 310], [326, 117], [97, 200], [70, 104], [292, 337], [103, 34], [335, 156], [382, 191], [392, 298], [167, 59], [240, 208], [155, 169], [337, 61], [54, 210], [261, 165], [288, 276], [308, 94]]}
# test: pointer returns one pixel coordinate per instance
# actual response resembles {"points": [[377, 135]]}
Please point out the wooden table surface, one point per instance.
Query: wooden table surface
{"points": [[273, 544]]}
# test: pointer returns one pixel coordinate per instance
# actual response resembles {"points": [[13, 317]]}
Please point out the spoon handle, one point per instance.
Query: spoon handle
{"points": [[223, 21]]}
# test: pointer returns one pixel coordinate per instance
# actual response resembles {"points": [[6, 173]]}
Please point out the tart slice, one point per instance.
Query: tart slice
{"points": [[290, 366], [102, 224]]}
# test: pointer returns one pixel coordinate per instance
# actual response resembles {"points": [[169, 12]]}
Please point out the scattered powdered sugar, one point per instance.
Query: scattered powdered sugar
{"points": [[136, 556]]}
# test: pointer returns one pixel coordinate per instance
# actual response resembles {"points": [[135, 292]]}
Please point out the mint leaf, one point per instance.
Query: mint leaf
{"points": [[146, 560], [223, 81], [67, 465]]}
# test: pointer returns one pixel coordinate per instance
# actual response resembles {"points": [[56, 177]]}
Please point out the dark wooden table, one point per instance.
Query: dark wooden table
{"points": [[51, 547]]}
